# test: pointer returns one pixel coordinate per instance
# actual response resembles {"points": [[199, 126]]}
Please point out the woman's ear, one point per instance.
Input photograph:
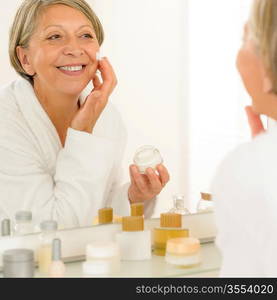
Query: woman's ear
{"points": [[267, 85], [23, 58]]}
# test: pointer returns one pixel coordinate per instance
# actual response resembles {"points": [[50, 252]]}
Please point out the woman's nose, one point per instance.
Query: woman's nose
{"points": [[73, 48]]}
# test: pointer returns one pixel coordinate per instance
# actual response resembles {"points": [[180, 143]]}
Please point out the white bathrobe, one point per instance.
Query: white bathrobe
{"points": [[68, 184], [245, 194]]}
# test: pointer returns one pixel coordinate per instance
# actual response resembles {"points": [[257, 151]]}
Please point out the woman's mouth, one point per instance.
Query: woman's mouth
{"points": [[74, 70]]}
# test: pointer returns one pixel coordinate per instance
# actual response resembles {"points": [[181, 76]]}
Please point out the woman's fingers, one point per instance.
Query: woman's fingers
{"points": [[164, 175], [96, 82], [255, 122], [138, 179], [155, 183], [108, 75]]}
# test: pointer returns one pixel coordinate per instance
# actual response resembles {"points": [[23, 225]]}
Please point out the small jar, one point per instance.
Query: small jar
{"points": [[23, 223], [6, 227], [183, 252], [57, 266], [105, 215], [48, 234], [18, 263], [205, 203], [102, 258], [147, 157], [179, 205], [134, 242], [137, 209], [170, 227]]}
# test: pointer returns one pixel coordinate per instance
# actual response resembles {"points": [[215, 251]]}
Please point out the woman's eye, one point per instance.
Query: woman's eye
{"points": [[54, 37], [87, 36]]}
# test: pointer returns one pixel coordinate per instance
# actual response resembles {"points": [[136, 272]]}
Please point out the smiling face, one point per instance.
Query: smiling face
{"points": [[62, 51]]}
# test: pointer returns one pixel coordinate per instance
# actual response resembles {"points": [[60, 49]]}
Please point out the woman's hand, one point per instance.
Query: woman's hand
{"points": [[146, 186], [88, 114], [255, 122]]}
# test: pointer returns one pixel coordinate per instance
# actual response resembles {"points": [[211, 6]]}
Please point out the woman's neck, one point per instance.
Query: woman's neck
{"points": [[60, 108]]}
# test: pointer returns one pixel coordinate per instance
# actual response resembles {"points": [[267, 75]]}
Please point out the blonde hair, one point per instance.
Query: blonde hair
{"points": [[25, 22], [263, 27]]}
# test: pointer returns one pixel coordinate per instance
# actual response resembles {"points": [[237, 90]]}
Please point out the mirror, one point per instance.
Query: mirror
{"points": [[176, 80]]}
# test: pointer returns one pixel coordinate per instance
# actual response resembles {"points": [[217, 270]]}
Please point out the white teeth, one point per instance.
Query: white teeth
{"points": [[72, 69]]}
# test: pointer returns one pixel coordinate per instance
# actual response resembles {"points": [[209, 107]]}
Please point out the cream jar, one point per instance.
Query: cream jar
{"points": [[18, 263], [183, 252], [147, 157], [102, 258]]}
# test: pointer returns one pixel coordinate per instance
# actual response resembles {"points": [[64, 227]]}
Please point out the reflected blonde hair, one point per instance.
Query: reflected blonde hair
{"points": [[25, 22], [263, 27]]}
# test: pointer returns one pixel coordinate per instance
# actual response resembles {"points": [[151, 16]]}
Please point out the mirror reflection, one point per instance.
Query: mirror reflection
{"points": [[146, 84]]}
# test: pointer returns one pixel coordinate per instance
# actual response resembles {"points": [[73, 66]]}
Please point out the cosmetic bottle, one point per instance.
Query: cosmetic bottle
{"points": [[6, 227], [105, 215], [170, 227], [48, 234], [57, 267], [205, 203], [179, 205], [134, 242], [137, 209], [147, 157], [102, 258], [18, 263], [23, 223], [183, 252]]}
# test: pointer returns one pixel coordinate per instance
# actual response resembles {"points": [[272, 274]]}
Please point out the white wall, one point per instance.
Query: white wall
{"points": [[146, 43]]}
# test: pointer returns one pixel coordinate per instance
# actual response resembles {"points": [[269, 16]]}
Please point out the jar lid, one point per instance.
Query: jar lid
{"points": [[23, 215], [147, 155], [56, 249], [18, 255], [105, 215], [102, 249], [206, 196], [6, 227], [182, 246], [49, 225], [171, 220], [137, 209], [133, 223]]}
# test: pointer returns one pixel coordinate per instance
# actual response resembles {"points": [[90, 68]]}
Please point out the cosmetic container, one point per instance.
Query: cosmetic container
{"points": [[48, 234], [205, 203], [179, 205], [6, 227], [147, 157], [134, 242], [105, 215], [18, 263], [57, 267], [23, 223], [170, 227], [137, 209], [183, 252], [102, 258]]}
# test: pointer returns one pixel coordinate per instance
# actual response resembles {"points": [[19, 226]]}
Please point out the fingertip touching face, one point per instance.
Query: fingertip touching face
{"points": [[62, 50], [253, 72]]}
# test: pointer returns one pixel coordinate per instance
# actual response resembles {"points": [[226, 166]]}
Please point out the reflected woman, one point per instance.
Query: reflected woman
{"points": [[244, 187], [61, 147]]}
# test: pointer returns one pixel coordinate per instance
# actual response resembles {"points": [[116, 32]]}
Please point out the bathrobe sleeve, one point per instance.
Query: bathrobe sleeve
{"points": [[245, 209]]}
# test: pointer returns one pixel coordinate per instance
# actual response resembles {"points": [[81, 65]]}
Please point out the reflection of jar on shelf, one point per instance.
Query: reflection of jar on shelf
{"points": [[179, 205], [147, 157], [47, 235], [205, 204], [23, 223]]}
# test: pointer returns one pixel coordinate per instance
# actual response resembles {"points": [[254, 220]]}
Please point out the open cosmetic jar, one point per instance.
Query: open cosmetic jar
{"points": [[183, 252], [147, 157]]}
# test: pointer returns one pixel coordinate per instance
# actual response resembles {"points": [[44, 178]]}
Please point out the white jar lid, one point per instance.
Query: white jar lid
{"points": [[147, 156], [102, 249]]}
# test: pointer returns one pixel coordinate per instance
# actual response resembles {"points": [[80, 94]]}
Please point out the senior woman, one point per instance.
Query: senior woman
{"points": [[244, 187], [60, 147]]}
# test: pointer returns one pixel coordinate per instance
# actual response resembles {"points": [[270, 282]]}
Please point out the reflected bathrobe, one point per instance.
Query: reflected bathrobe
{"points": [[68, 184], [245, 194]]}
